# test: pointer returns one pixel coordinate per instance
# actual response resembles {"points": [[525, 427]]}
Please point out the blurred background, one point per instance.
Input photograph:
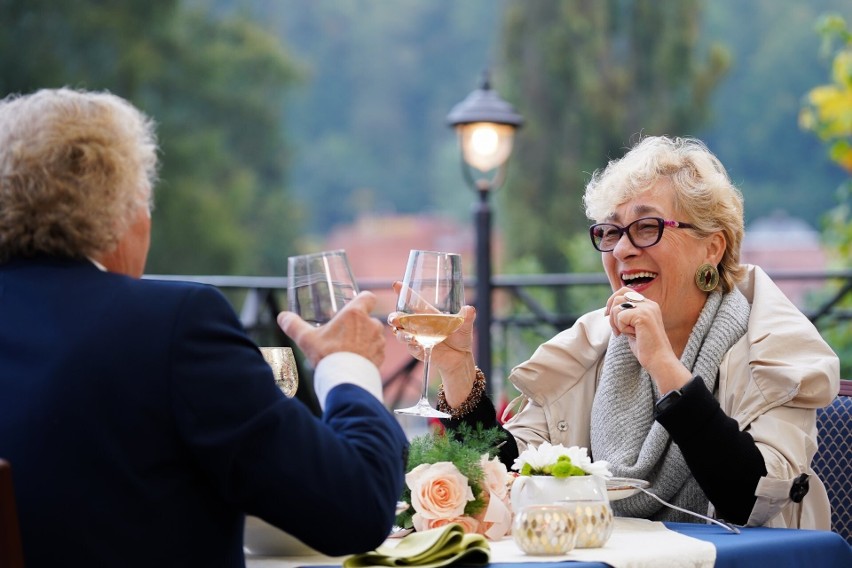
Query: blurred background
{"points": [[293, 126]]}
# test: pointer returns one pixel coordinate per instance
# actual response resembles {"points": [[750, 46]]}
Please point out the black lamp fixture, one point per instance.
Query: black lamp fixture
{"points": [[486, 126]]}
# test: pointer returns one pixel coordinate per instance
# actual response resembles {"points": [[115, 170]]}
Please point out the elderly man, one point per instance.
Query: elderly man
{"points": [[140, 420]]}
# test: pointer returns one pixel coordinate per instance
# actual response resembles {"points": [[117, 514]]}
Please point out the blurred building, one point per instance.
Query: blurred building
{"points": [[780, 242]]}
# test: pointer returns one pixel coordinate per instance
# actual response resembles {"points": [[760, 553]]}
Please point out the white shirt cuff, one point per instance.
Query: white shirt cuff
{"points": [[345, 367]]}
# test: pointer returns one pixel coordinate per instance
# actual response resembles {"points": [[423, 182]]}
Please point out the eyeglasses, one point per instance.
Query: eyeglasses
{"points": [[643, 233]]}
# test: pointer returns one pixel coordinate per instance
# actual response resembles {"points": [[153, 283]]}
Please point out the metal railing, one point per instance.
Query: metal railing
{"points": [[528, 309]]}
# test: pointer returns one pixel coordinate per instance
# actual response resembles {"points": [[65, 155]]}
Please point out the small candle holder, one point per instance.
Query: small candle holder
{"points": [[544, 530], [593, 520]]}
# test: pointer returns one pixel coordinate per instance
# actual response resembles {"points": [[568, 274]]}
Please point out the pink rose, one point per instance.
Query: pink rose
{"points": [[495, 478], [495, 520], [469, 524], [438, 491]]}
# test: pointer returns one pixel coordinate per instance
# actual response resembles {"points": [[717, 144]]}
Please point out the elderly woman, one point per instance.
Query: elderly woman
{"points": [[698, 375], [140, 420]]}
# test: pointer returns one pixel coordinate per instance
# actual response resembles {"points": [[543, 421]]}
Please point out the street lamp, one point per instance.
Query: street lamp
{"points": [[486, 126]]}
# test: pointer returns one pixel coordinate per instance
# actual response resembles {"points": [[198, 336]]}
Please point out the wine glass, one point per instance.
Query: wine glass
{"points": [[319, 284], [430, 299], [283, 368]]}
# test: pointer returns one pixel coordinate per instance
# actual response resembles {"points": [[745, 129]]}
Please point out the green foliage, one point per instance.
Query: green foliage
{"points": [[215, 89], [562, 468], [587, 76], [464, 448], [366, 106], [827, 111], [754, 129], [828, 108], [371, 120], [381, 77], [840, 339], [227, 177]]}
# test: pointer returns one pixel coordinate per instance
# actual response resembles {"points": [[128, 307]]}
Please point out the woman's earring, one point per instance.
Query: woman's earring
{"points": [[707, 277]]}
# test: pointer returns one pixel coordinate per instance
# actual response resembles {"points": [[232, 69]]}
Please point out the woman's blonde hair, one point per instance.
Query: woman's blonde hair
{"points": [[75, 167], [704, 195]]}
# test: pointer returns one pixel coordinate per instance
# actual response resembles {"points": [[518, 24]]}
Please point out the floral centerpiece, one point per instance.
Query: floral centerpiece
{"points": [[458, 480], [567, 476], [559, 461]]}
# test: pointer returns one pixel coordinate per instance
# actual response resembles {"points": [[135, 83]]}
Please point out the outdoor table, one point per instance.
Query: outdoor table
{"points": [[754, 547]]}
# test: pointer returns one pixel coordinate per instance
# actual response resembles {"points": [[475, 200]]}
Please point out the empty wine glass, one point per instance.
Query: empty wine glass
{"points": [[283, 368], [430, 299], [319, 284]]}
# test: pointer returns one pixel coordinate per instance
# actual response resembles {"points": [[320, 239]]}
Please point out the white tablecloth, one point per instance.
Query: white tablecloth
{"points": [[635, 543]]}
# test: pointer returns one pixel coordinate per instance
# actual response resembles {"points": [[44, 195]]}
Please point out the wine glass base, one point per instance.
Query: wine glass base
{"points": [[423, 410]]}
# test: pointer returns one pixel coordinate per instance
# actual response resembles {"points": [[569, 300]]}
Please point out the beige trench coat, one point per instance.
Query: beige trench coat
{"points": [[771, 381]]}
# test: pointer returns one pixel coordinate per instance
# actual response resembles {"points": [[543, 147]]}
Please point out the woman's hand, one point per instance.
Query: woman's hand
{"points": [[453, 357], [640, 319]]}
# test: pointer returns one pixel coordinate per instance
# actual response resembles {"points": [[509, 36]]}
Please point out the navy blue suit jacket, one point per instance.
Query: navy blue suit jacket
{"points": [[142, 423]]}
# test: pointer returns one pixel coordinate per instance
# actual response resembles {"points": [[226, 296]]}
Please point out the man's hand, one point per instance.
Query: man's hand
{"points": [[351, 329]]}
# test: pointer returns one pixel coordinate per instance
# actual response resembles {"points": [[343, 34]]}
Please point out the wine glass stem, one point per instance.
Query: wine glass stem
{"points": [[427, 361]]}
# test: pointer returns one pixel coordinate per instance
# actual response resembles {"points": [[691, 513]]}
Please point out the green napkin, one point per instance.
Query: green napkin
{"points": [[428, 549]]}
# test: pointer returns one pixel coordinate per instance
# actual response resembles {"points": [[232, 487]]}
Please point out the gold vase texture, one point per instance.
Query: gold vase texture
{"points": [[594, 522], [544, 530]]}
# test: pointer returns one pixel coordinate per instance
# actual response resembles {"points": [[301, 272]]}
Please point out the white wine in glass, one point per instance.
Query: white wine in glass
{"points": [[283, 368], [430, 299]]}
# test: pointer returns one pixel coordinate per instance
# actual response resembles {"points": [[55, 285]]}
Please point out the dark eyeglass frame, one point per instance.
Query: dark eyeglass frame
{"points": [[661, 224]]}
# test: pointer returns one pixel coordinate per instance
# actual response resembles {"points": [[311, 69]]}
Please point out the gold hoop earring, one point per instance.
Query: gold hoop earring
{"points": [[707, 277]]}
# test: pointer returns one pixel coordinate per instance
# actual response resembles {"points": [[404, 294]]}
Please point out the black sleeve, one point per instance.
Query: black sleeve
{"points": [[485, 414], [725, 462]]}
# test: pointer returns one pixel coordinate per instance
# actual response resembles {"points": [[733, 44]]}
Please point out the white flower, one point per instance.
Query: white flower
{"points": [[539, 457], [547, 455], [580, 458]]}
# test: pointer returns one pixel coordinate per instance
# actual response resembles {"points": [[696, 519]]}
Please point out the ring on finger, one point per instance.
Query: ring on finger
{"points": [[627, 306], [634, 297]]}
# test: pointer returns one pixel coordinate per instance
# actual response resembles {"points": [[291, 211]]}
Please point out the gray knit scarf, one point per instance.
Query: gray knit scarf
{"points": [[623, 429]]}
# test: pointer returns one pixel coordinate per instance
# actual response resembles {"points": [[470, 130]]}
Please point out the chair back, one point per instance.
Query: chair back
{"points": [[833, 460], [11, 551]]}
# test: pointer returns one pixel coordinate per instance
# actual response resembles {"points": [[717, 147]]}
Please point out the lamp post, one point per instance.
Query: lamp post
{"points": [[486, 126]]}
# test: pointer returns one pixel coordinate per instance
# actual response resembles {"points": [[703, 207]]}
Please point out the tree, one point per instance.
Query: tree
{"points": [[753, 129], [370, 118], [828, 108], [223, 112], [215, 89], [827, 111], [588, 77]]}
